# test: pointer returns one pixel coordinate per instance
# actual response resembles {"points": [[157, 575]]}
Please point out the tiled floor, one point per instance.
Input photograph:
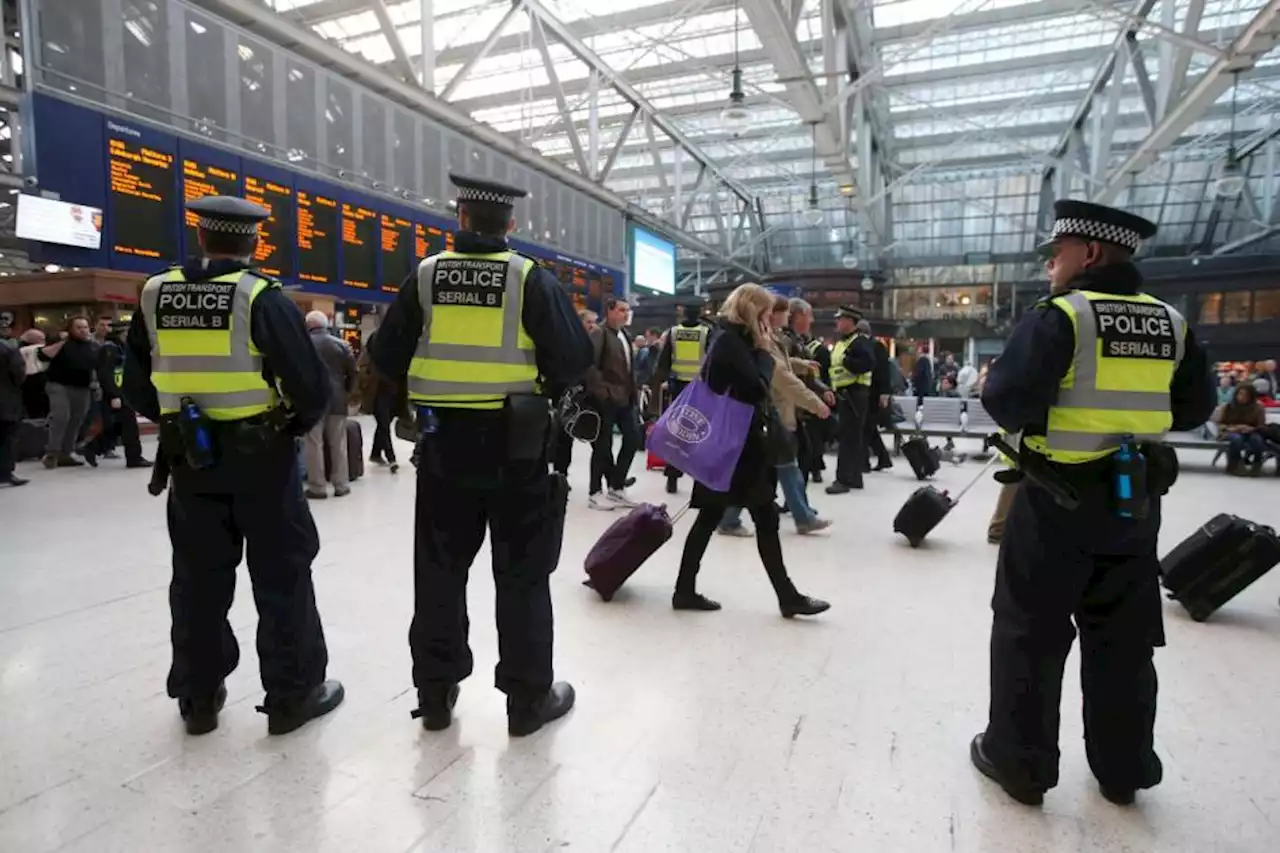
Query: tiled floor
{"points": [[733, 731]]}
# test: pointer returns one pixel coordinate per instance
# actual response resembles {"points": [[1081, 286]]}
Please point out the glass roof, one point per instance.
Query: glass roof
{"points": [[964, 104]]}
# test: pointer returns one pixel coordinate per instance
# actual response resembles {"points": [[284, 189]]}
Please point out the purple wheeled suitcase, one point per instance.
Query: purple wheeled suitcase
{"points": [[624, 547]]}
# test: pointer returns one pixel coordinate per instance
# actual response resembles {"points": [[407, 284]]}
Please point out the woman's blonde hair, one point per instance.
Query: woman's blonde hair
{"points": [[747, 305]]}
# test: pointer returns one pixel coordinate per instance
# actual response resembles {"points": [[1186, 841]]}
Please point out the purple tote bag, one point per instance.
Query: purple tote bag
{"points": [[702, 433]]}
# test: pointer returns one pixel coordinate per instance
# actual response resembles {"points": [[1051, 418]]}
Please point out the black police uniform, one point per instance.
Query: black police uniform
{"points": [[118, 424], [692, 320], [815, 434], [468, 482], [854, 408], [880, 387], [252, 496], [1088, 564]]}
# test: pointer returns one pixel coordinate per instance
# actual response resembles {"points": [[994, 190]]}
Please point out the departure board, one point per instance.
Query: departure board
{"points": [[448, 241], [429, 240], [274, 255], [198, 181], [317, 238], [141, 200], [359, 246], [398, 245]]}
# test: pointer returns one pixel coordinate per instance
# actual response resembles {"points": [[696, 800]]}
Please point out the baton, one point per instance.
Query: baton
{"points": [[1045, 477], [159, 476]]}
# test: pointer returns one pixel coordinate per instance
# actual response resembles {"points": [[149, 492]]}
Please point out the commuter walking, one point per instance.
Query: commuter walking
{"points": [[611, 382], [73, 362], [330, 433]]}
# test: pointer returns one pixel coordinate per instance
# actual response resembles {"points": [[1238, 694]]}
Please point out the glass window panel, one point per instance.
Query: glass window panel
{"points": [[339, 118], [300, 111], [1210, 308], [373, 143], [433, 154], [206, 80], [146, 56], [404, 158], [257, 94], [71, 45], [1266, 305], [1236, 306]]}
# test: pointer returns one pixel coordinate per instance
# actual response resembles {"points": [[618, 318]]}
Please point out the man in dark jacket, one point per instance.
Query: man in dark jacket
{"points": [[119, 421], [12, 372], [878, 406], [852, 361], [611, 382], [73, 364], [331, 432], [922, 376]]}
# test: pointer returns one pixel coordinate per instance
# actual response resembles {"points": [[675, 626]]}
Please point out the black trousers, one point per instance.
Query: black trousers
{"points": [[871, 428], [466, 486], [676, 386], [812, 445], [768, 543], [383, 414], [248, 499], [605, 469], [1101, 571], [119, 426], [853, 403], [561, 448], [8, 448]]}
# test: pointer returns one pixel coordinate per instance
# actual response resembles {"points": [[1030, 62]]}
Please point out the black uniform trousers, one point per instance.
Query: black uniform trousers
{"points": [[676, 386], [853, 401], [467, 485], [561, 448], [249, 498], [118, 426], [1102, 571], [384, 405], [874, 441]]}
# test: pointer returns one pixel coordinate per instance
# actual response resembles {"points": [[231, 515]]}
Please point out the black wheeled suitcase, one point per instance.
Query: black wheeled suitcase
{"points": [[926, 508], [1217, 562], [924, 460], [355, 452], [33, 437]]}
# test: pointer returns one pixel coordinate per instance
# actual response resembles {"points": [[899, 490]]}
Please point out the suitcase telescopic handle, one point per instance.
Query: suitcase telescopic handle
{"points": [[990, 462]]}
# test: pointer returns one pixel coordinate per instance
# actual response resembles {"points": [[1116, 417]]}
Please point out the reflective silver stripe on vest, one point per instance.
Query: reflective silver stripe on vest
{"points": [[240, 359], [1084, 393], [509, 352]]}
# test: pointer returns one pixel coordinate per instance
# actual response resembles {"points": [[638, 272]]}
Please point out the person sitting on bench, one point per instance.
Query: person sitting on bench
{"points": [[1240, 422]]}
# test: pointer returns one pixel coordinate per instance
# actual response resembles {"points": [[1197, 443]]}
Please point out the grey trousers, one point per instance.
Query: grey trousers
{"points": [[68, 407], [995, 528], [332, 431]]}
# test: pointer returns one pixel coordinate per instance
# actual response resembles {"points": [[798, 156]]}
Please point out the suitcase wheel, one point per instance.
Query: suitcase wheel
{"points": [[1199, 614], [914, 543]]}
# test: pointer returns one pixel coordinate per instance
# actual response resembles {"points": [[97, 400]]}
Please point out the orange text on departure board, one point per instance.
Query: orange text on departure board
{"points": [[124, 176], [268, 194], [308, 233], [197, 182], [351, 215], [392, 226]]}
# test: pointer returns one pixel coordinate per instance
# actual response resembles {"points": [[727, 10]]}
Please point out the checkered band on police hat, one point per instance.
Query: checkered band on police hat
{"points": [[1090, 229], [228, 226], [489, 196]]}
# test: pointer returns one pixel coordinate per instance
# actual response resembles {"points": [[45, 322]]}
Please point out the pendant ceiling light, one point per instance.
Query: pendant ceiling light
{"points": [[736, 117], [1231, 177], [813, 214]]}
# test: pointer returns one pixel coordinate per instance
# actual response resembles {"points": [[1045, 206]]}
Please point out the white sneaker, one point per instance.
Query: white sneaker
{"points": [[598, 502], [741, 531], [618, 497]]}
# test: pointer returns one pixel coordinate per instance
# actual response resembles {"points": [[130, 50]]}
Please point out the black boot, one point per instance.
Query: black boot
{"points": [[1026, 796], [693, 601], [289, 716], [435, 707], [803, 606], [201, 714], [672, 488], [524, 717]]}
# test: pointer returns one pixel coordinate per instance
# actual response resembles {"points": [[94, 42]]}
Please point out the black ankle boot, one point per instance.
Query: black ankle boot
{"points": [[201, 713], [435, 707], [693, 601], [285, 717], [526, 716]]}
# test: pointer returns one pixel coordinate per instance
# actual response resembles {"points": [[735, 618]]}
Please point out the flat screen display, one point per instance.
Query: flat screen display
{"points": [[428, 240], [317, 238], [141, 199], [198, 181], [51, 221], [359, 246], [398, 245], [653, 262], [275, 236]]}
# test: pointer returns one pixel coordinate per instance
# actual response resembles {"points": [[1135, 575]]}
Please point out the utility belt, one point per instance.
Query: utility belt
{"points": [[525, 418], [1127, 479], [191, 439]]}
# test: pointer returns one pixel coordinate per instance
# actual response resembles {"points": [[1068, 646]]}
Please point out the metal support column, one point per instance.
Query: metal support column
{"points": [[427, 59]]}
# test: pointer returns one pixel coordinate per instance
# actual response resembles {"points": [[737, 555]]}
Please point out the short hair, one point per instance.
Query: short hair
{"points": [[614, 301], [226, 243], [781, 303], [863, 326], [317, 320], [71, 321], [487, 218], [799, 306]]}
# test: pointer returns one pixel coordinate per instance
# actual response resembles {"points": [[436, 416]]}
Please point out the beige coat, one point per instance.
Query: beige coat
{"points": [[788, 390]]}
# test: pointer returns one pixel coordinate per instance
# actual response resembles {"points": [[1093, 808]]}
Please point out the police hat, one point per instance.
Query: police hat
{"points": [[1088, 221], [228, 215], [848, 311], [489, 192]]}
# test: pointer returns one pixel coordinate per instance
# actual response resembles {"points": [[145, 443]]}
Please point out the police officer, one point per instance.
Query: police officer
{"points": [[476, 331], [1091, 369], [119, 421], [680, 362], [813, 434], [224, 346], [852, 361]]}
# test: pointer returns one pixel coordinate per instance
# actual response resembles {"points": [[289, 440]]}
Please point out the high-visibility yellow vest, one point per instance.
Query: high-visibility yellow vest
{"points": [[473, 351], [201, 346], [840, 377], [1127, 349], [688, 349], [811, 347]]}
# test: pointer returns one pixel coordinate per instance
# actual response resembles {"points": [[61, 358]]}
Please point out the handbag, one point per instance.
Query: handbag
{"points": [[702, 434]]}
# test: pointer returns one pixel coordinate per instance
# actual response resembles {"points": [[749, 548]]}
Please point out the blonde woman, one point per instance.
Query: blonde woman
{"points": [[741, 365]]}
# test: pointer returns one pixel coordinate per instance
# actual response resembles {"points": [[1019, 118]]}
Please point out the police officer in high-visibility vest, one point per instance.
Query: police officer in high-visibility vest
{"points": [[119, 422], [853, 358], [1093, 377], [218, 356], [680, 362], [814, 433], [484, 335]]}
